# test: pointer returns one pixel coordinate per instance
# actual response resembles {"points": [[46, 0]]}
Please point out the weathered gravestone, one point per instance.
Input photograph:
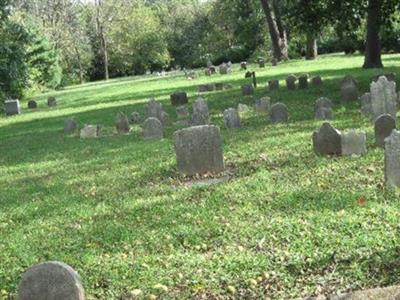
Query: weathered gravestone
{"points": [[51, 101], [212, 69], [135, 118], [122, 124], [199, 150], [323, 109], [384, 125], [70, 126], [303, 81], [366, 105], [209, 87], [165, 121], [243, 65], [224, 69], [389, 76], [327, 140], [392, 159], [51, 281], [243, 108], [274, 62], [179, 98], [383, 97], [354, 143], [261, 62], [279, 113], [247, 90], [349, 89], [12, 107], [200, 114], [273, 85], [182, 112], [90, 131], [32, 104], [152, 129], [154, 109], [219, 86], [263, 105], [316, 80], [291, 82], [231, 118], [207, 72]]}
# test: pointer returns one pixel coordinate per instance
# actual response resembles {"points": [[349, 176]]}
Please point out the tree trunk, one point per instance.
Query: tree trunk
{"points": [[373, 44], [312, 47], [278, 38], [102, 37]]}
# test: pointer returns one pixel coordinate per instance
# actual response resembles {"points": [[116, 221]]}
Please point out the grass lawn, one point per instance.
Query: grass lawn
{"points": [[287, 224]]}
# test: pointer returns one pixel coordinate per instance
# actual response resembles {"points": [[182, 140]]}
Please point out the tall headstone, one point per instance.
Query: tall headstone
{"points": [[291, 82], [384, 125], [70, 126], [323, 109], [366, 105], [303, 81], [279, 113], [51, 281], [12, 107], [90, 131], [349, 89], [200, 107], [32, 104], [152, 129], [199, 150], [51, 102], [263, 105], [122, 124], [316, 81], [135, 118], [273, 85], [231, 118], [392, 159], [327, 140], [383, 97], [354, 143], [247, 90], [179, 98]]}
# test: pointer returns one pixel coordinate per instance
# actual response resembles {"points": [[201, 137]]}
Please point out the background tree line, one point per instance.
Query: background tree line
{"points": [[51, 43]]}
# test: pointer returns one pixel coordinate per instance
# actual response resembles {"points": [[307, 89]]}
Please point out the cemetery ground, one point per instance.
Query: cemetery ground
{"points": [[288, 223]]}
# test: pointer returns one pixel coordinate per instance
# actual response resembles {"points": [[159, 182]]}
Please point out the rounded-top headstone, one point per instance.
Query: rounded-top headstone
{"points": [[317, 80], [349, 89], [273, 85], [231, 118], [291, 82], [323, 109], [279, 113], [263, 105], [122, 123], [135, 118], [51, 101], [153, 129], [247, 90], [32, 104], [303, 81], [70, 126], [51, 281], [179, 98], [384, 126]]}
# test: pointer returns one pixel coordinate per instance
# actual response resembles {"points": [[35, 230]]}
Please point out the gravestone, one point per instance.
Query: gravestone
{"points": [[165, 121], [279, 113], [354, 143], [51, 281], [51, 102], [231, 118], [182, 112], [291, 82], [383, 97], [303, 81], [90, 131], [179, 98], [152, 129], [323, 109], [219, 86], [261, 62], [224, 69], [389, 76], [207, 72], [135, 118], [316, 80], [366, 105], [349, 89], [212, 69], [199, 150], [200, 113], [198, 119], [273, 85], [202, 88], [12, 107], [384, 125], [243, 65], [243, 108], [122, 124], [32, 104], [327, 140], [263, 105], [154, 109], [392, 159], [70, 126], [247, 90]]}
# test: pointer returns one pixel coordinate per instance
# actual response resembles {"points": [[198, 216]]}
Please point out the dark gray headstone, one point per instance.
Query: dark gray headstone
{"points": [[231, 118], [122, 124], [32, 104], [263, 105], [70, 126], [135, 118], [153, 129], [12, 107], [279, 113], [261, 62], [273, 85], [219, 86], [327, 140], [303, 81], [90, 131], [243, 65], [199, 150], [51, 101], [392, 159], [179, 98], [291, 82], [349, 89], [323, 109], [383, 97], [354, 143], [247, 90], [316, 80], [384, 125], [51, 281]]}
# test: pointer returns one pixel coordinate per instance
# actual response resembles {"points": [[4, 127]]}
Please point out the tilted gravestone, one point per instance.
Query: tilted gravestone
{"points": [[383, 97], [153, 129], [51, 281], [354, 143], [327, 140], [263, 105], [366, 105], [247, 90], [231, 118], [291, 82], [243, 65], [273, 85], [323, 109], [122, 124], [199, 150], [179, 98], [135, 118], [90, 131], [349, 89], [51, 101], [12, 107], [384, 125], [182, 112], [303, 81], [279, 113], [392, 159], [316, 80], [70, 126], [32, 104]]}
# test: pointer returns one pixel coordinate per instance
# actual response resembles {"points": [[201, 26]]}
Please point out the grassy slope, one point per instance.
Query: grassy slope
{"points": [[288, 224]]}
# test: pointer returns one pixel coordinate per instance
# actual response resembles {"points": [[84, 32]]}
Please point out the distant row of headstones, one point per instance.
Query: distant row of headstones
{"points": [[13, 107]]}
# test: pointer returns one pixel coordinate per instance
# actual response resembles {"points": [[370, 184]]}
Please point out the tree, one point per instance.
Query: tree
{"points": [[373, 43]]}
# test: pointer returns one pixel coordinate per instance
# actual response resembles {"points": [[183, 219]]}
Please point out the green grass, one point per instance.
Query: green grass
{"points": [[287, 224]]}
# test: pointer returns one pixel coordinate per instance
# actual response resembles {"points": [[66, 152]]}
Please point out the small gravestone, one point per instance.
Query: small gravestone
{"points": [[219, 86], [135, 118], [154, 109], [207, 72], [51, 102], [323, 109], [70, 126], [122, 124], [12, 107], [327, 140], [273, 85], [199, 150], [262, 106], [51, 281], [212, 69], [392, 159], [243, 108], [316, 80], [202, 88], [152, 129], [243, 65], [182, 112], [247, 90], [200, 114], [90, 132], [198, 119], [279, 113], [383, 97], [32, 104], [231, 118], [303, 81], [179, 98], [210, 87], [366, 105], [224, 69], [291, 82], [165, 120], [384, 125], [354, 143], [349, 89], [261, 62]]}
